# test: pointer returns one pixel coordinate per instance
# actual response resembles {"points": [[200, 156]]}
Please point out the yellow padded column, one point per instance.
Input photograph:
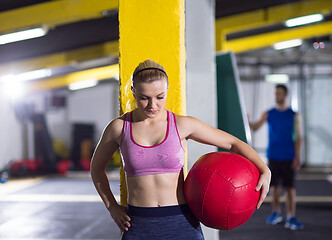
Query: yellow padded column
{"points": [[155, 30]]}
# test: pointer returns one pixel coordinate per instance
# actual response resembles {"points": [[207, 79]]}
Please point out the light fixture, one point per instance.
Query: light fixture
{"points": [[93, 63], [277, 78], [315, 45], [287, 44], [27, 76], [318, 44], [23, 35], [304, 20], [83, 84]]}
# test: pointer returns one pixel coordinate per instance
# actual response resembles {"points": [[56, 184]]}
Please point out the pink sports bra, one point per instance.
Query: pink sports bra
{"points": [[165, 157]]}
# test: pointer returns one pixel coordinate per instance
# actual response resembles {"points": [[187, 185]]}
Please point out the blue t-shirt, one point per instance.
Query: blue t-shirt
{"points": [[281, 130]]}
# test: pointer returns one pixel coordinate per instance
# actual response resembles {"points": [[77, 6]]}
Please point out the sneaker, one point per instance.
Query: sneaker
{"points": [[274, 218], [293, 224]]}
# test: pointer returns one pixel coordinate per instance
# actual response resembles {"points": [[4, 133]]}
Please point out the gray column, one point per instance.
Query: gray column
{"points": [[201, 76]]}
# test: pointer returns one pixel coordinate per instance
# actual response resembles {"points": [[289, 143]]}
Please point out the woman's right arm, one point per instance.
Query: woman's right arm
{"points": [[105, 149]]}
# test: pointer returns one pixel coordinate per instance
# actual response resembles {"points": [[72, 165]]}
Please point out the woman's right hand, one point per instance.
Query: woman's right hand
{"points": [[120, 216]]}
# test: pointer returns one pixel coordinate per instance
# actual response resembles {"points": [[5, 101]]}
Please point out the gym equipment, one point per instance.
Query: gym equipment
{"points": [[220, 190]]}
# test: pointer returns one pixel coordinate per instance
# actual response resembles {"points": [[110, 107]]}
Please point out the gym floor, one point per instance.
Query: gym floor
{"points": [[57, 207]]}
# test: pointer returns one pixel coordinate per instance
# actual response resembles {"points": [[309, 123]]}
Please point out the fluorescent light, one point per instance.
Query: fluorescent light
{"points": [[92, 63], [277, 78], [304, 20], [287, 44], [27, 76], [83, 84], [32, 75], [23, 35]]}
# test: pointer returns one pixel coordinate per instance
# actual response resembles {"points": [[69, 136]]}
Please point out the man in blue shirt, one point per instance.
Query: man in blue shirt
{"points": [[283, 153]]}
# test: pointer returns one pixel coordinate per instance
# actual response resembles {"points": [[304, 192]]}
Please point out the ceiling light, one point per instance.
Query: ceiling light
{"points": [[92, 63], [83, 84], [277, 78], [27, 76], [23, 35], [304, 20], [287, 44]]}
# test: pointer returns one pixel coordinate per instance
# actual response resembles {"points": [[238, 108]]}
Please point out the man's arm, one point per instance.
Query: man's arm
{"points": [[297, 141], [256, 125]]}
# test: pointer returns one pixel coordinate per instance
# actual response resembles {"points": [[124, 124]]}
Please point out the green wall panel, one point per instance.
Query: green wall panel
{"points": [[232, 115]]}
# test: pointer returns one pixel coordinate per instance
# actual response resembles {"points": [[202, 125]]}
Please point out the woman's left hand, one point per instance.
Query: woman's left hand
{"points": [[263, 185]]}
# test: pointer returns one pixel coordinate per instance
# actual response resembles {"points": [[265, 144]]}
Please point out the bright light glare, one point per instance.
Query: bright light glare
{"points": [[277, 78], [304, 20], [22, 35], [27, 76], [287, 44], [117, 77], [14, 90], [7, 78], [83, 84]]}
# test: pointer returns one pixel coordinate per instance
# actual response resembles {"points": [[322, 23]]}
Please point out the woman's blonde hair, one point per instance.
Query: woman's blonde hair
{"points": [[149, 71]]}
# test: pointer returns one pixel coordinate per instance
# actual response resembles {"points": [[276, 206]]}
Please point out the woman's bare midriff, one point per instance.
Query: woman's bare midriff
{"points": [[156, 190]]}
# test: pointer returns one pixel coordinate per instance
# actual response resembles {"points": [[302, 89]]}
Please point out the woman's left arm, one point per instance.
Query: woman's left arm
{"points": [[201, 132]]}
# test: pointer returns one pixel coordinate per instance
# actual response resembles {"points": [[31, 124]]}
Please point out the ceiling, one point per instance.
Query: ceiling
{"points": [[230, 7], [93, 38]]}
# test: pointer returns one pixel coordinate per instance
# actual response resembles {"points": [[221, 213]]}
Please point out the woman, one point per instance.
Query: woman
{"points": [[152, 142]]}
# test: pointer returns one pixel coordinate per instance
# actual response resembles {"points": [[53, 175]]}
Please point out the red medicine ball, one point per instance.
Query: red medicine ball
{"points": [[220, 190]]}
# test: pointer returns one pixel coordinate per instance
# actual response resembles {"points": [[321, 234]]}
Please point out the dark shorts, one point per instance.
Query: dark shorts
{"points": [[282, 173], [162, 223]]}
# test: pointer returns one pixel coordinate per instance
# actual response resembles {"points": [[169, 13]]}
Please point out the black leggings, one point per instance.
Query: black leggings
{"points": [[162, 223]]}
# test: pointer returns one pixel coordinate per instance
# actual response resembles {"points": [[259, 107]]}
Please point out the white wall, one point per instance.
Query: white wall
{"points": [[59, 125], [201, 69], [259, 97], [11, 135], [319, 116], [201, 76], [97, 105]]}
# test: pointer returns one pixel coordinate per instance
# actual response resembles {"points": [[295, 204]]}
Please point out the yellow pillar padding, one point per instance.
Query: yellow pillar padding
{"points": [[154, 30]]}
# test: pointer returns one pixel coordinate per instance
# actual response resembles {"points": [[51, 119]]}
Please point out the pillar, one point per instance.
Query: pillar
{"points": [[201, 76], [154, 30]]}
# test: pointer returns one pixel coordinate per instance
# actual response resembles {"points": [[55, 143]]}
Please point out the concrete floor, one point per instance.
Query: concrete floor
{"points": [[69, 208], [54, 208]]}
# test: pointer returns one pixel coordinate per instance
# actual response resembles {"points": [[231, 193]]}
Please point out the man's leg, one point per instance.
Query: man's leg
{"points": [[290, 201], [289, 185], [275, 192], [275, 217]]}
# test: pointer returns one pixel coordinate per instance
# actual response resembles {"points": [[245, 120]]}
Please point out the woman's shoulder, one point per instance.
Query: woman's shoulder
{"points": [[184, 121], [114, 128], [184, 118]]}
